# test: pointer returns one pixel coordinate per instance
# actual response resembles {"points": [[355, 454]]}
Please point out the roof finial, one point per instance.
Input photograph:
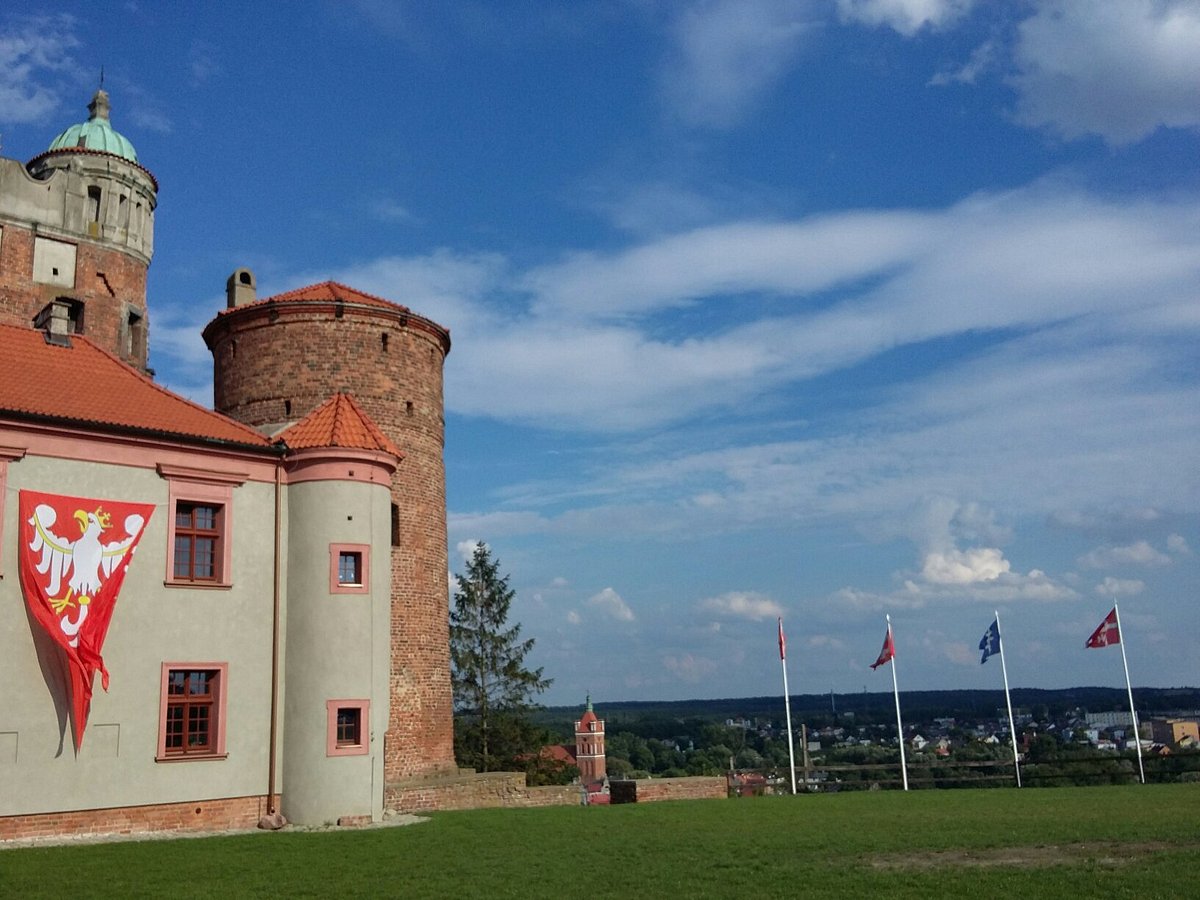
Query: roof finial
{"points": [[101, 76], [589, 701], [99, 107]]}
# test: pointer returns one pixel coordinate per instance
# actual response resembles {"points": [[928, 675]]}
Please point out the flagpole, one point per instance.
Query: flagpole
{"points": [[896, 692], [1137, 738], [1012, 728], [787, 705]]}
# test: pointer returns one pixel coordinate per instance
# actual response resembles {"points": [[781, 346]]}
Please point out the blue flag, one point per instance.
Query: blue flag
{"points": [[990, 642]]}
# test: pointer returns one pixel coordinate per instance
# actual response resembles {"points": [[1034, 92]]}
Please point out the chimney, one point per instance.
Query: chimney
{"points": [[240, 288], [55, 320]]}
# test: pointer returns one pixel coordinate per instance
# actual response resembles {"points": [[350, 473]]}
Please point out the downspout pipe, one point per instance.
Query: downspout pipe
{"points": [[274, 819]]}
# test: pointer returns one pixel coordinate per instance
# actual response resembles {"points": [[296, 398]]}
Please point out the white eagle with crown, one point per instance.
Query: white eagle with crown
{"points": [[87, 559]]}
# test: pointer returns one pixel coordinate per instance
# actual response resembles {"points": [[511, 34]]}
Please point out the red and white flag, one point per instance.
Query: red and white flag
{"points": [[1108, 632], [782, 642], [888, 651], [73, 556]]}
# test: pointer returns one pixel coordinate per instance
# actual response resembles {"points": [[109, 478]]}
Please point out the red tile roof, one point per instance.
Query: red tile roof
{"points": [[85, 385], [328, 291], [338, 422]]}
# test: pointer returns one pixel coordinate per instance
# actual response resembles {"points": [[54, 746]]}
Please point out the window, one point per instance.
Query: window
{"points": [[192, 711], [348, 727], [200, 527], [197, 540], [349, 569]]}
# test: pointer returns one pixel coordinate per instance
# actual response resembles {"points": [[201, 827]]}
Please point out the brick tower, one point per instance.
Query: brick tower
{"points": [[77, 227], [589, 747], [276, 360]]}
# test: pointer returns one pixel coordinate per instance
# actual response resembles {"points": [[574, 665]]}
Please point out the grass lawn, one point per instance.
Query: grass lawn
{"points": [[1136, 841]]}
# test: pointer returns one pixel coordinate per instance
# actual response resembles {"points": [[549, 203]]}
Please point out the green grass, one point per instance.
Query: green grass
{"points": [[1112, 841]]}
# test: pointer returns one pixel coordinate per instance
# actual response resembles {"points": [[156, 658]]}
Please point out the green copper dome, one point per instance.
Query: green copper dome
{"points": [[96, 133]]}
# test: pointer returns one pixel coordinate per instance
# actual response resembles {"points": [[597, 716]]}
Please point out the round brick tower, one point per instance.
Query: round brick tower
{"points": [[276, 360], [77, 232]]}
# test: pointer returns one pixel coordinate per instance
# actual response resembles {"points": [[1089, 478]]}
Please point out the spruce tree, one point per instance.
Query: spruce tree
{"points": [[493, 691]]}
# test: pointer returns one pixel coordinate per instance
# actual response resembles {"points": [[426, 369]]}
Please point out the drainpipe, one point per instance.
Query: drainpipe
{"points": [[274, 820]]}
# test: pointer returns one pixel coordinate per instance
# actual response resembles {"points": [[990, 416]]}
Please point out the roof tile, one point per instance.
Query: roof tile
{"points": [[86, 385], [338, 422]]}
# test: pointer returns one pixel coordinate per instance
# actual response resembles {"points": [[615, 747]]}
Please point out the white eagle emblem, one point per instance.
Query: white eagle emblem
{"points": [[87, 560]]}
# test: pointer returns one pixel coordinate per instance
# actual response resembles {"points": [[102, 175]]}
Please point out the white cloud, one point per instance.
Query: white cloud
{"points": [[1118, 70], [965, 566], [466, 549], [1120, 587], [689, 668], [610, 603], [982, 59], [726, 53], [574, 618], [1176, 543], [743, 605], [905, 16], [1139, 553], [33, 53]]}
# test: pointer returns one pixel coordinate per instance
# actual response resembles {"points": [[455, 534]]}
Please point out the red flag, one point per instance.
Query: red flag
{"points": [[76, 614], [782, 642], [888, 651], [1108, 632]]}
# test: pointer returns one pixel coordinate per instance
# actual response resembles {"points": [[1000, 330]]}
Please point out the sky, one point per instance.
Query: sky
{"points": [[825, 310]]}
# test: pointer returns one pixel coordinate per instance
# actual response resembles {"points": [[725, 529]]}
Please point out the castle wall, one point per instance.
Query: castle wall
{"points": [[276, 362], [154, 626]]}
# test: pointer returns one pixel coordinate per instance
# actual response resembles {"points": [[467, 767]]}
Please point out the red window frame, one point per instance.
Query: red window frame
{"points": [[198, 532], [348, 727], [192, 711]]}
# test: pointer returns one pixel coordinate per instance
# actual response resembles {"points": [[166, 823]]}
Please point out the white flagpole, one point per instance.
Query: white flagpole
{"points": [[1012, 728], [896, 691], [1129, 687], [787, 705]]}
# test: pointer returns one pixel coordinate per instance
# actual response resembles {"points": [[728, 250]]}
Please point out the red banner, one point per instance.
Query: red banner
{"points": [[73, 556]]}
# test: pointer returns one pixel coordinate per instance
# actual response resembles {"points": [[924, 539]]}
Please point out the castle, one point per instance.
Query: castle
{"points": [[209, 618]]}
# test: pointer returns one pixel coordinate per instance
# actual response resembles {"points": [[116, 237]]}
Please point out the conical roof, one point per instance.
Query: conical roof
{"points": [[96, 133]]}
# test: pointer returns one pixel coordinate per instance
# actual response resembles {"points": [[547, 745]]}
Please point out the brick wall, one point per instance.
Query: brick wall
{"points": [[200, 815], [649, 790], [488, 789], [276, 362], [109, 282]]}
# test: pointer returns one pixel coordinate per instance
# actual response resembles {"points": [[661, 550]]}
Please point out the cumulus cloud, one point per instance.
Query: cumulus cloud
{"points": [[964, 566], [1118, 70], [466, 549], [34, 54], [1120, 587], [905, 16], [1176, 543], [725, 53], [743, 605], [1139, 553], [610, 603], [1008, 587]]}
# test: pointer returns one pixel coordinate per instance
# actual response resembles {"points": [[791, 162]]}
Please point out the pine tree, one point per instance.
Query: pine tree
{"points": [[493, 691]]}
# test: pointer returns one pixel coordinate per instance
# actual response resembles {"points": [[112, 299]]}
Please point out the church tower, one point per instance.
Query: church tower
{"points": [[589, 746], [77, 233]]}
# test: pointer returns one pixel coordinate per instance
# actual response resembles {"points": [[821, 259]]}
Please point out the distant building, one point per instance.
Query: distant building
{"points": [[1175, 733], [589, 747], [1111, 719]]}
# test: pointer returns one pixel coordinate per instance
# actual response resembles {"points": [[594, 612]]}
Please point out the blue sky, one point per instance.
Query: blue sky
{"points": [[816, 308]]}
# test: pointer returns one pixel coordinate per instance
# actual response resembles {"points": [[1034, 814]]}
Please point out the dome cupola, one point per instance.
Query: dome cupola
{"points": [[96, 133]]}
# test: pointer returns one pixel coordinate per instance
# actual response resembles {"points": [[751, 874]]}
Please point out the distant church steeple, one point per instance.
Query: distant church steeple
{"points": [[589, 746]]}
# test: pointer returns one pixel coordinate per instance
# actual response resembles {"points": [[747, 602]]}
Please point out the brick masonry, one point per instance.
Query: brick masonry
{"points": [[199, 815], [276, 362], [109, 282], [649, 790]]}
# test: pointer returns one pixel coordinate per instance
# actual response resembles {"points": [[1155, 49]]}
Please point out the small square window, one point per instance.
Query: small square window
{"points": [[348, 727], [349, 568]]}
